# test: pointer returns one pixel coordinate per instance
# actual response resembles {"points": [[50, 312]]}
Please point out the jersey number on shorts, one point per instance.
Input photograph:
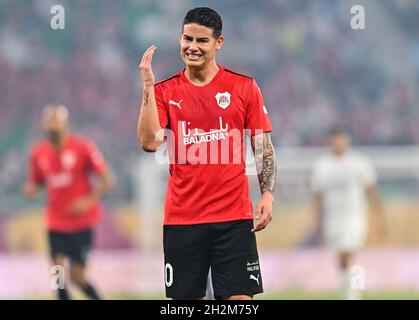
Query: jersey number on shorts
{"points": [[168, 274]]}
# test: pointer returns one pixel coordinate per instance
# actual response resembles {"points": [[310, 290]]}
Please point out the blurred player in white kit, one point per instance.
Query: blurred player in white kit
{"points": [[343, 182]]}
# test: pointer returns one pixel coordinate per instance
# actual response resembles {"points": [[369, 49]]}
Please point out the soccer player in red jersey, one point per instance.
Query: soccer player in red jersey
{"points": [[206, 110], [63, 163]]}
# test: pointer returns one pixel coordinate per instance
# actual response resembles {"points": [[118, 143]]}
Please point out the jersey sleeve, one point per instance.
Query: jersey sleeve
{"points": [[257, 119], [35, 175], [368, 173], [95, 159], [161, 107]]}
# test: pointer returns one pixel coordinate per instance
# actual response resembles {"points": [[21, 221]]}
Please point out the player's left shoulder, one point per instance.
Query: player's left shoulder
{"points": [[246, 84], [357, 155], [237, 76], [82, 142], [234, 73], [360, 159], [79, 139]]}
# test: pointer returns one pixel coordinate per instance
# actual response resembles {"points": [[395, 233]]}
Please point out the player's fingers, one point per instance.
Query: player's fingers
{"points": [[145, 56], [147, 52], [152, 53], [144, 65], [259, 217], [264, 221], [260, 225], [149, 57], [268, 220], [256, 227]]}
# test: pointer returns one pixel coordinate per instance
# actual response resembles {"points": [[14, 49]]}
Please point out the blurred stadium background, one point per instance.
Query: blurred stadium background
{"points": [[314, 71]]}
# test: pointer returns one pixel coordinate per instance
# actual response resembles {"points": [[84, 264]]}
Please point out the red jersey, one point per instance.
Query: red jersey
{"points": [[65, 173], [206, 144]]}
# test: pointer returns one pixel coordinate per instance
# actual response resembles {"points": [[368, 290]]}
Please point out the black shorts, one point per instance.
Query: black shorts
{"points": [[75, 245], [229, 248]]}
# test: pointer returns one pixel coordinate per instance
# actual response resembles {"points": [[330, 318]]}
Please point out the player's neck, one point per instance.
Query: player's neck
{"points": [[340, 154], [59, 143], [202, 76]]}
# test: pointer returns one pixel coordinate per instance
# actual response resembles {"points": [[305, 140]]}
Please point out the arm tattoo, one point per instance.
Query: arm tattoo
{"points": [[265, 161], [146, 100]]}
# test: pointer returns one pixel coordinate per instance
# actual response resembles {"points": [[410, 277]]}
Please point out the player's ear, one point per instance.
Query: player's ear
{"points": [[219, 42]]}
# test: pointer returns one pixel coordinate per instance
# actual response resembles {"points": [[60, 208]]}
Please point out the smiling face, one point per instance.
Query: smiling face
{"points": [[198, 46]]}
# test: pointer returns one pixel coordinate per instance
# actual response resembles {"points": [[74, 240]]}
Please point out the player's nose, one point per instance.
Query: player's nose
{"points": [[193, 46]]}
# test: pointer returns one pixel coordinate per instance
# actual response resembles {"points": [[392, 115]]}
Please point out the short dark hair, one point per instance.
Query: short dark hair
{"points": [[206, 17], [338, 131]]}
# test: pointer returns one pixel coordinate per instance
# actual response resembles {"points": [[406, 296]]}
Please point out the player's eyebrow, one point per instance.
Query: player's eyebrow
{"points": [[201, 39]]}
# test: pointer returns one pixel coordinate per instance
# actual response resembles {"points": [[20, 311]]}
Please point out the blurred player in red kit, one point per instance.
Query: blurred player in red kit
{"points": [[63, 163], [209, 216]]}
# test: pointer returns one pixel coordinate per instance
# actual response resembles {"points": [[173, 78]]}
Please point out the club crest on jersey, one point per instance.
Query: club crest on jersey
{"points": [[223, 99]]}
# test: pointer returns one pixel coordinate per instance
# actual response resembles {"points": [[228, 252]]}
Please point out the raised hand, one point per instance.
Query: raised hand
{"points": [[146, 70]]}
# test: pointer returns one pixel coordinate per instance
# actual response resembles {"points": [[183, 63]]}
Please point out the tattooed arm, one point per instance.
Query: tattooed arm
{"points": [[148, 128], [266, 167]]}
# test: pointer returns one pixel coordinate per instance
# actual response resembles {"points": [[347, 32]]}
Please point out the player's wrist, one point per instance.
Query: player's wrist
{"points": [[148, 84], [94, 196], [268, 194]]}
